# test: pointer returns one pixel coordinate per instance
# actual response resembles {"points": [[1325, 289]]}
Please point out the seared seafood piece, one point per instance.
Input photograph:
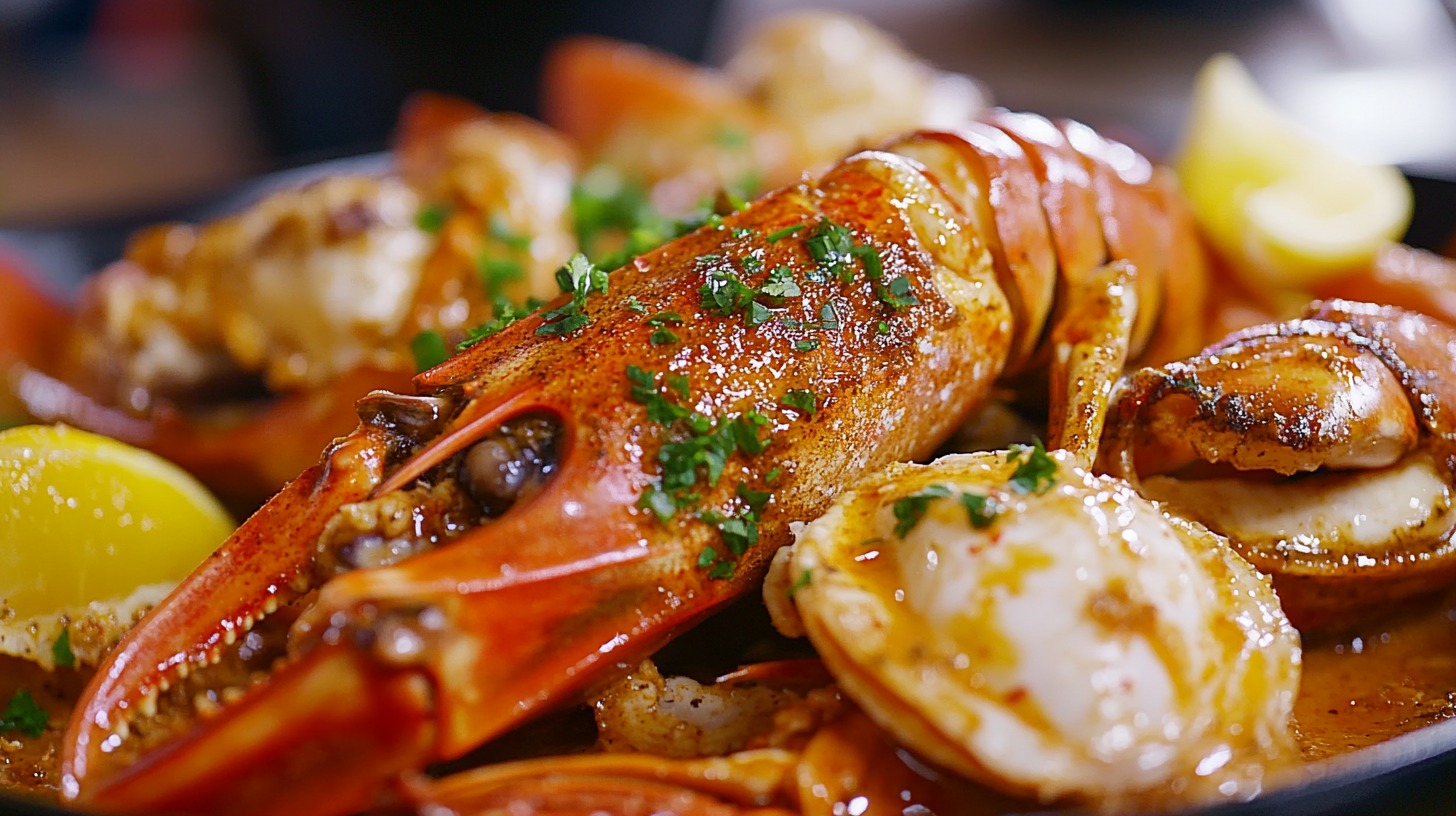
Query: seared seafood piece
{"points": [[847, 766], [837, 82], [575, 489], [679, 717], [271, 322], [1048, 632], [1321, 447], [802, 91], [312, 283]]}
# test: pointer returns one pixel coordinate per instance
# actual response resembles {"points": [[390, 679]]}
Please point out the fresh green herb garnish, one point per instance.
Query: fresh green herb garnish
{"points": [[663, 337], [23, 715], [515, 240], [707, 557], [830, 247], [781, 284], [896, 294], [665, 319], [661, 504], [779, 235], [982, 510], [802, 399], [828, 318], [563, 324], [432, 218], [722, 570], [806, 345], [61, 652], [581, 279], [911, 509], [429, 350], [870, 257], [755, 499], [678, 383], [725, 294], [495, 273], [506, 313], [730, 136], [802, 581], [635, 305], [1037, 473]]}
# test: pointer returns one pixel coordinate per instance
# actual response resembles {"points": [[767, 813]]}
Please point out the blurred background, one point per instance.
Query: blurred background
{"points": [[113, 111]]}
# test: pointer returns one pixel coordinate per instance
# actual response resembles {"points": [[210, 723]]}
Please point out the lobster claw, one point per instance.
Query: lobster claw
{"points": [[390, 667]]}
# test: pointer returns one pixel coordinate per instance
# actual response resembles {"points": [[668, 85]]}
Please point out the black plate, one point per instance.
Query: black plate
{"points": [[1410, 775]]}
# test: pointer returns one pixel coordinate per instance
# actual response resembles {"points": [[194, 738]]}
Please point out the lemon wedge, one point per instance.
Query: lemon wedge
{"points": [[1287, 210], [93, 533]]}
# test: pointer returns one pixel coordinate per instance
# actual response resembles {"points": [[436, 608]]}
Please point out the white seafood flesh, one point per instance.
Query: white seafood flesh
{"points": [[1059, 637]]}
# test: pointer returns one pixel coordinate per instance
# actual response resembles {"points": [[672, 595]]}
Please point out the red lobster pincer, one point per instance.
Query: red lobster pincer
{"points": [[575, 489]]}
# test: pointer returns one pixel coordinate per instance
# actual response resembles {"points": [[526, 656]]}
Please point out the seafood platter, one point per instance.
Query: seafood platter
{"points": [[802, 436]]}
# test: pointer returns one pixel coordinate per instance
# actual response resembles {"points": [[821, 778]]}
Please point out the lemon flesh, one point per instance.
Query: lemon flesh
{"points": [[1285, 209], [92, 533]]}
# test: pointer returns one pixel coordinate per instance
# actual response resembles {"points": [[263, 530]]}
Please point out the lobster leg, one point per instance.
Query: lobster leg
{"points": [[1089, 349]]}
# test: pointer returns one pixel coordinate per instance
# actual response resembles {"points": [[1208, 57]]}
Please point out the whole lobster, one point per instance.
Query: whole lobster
{"points": [[576, 489]]}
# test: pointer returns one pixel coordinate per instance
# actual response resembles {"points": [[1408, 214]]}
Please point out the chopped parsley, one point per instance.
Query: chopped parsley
{"points": [[432, 218], [731, 136], [579, 278], [781, 284], [693, 456], [982, 510], [725, 293], [828, 318], [779, 235], [911, 509], [61, 652], [24, 715], [723, 570], [635, 305], [664, 335], [505, 313], [615, 222], [1037, 472], [870, 257], [801, 582], [896, 294], [495, 273], [515, 240], [661, 504], [806, 345], [830, 247], [429, 350], [802, 399]]}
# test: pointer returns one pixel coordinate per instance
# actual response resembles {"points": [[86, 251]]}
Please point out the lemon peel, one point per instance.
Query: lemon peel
{"points": [[93, 533], [1285, 209]]}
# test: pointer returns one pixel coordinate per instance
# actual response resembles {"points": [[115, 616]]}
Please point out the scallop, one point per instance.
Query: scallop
{"points": [[1040, 629]]}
